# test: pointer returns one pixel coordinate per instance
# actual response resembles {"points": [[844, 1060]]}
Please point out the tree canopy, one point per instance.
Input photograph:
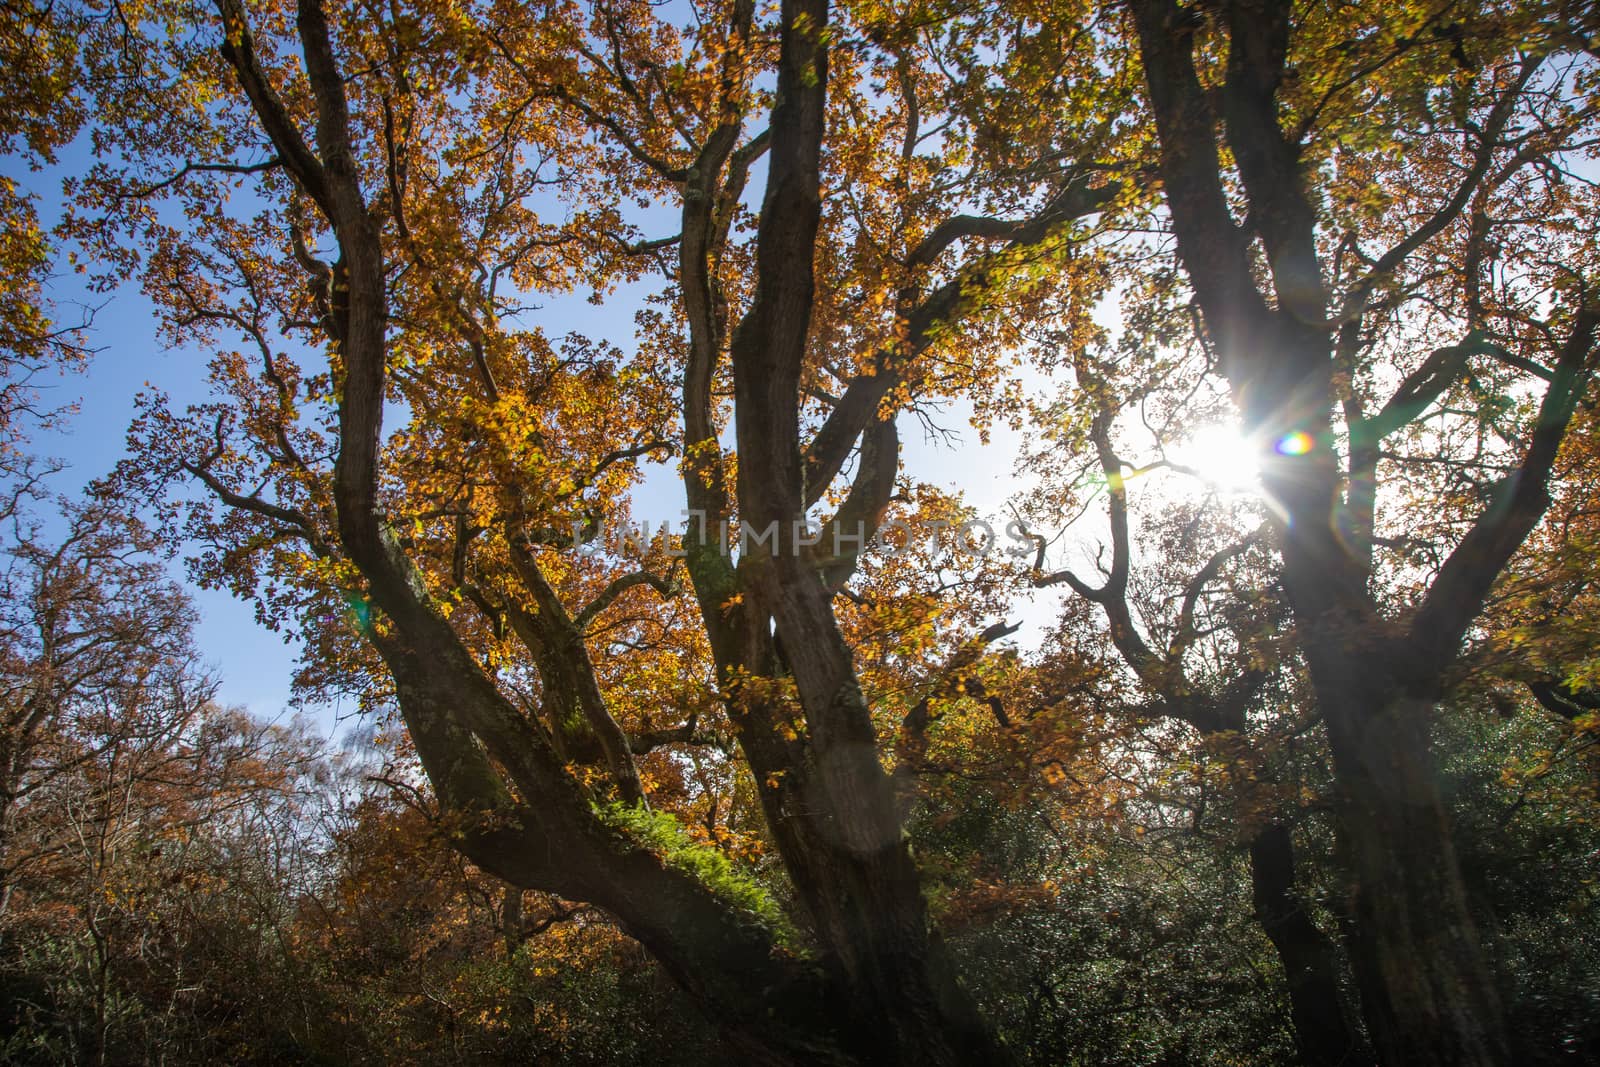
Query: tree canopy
{"points": [[1287, 731]]}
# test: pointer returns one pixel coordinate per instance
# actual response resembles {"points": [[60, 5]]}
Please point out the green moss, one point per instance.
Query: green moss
{"points": [[663, 834]]}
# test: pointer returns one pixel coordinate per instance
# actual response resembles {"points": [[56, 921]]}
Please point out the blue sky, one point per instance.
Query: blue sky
{"points": [[255, 665]]}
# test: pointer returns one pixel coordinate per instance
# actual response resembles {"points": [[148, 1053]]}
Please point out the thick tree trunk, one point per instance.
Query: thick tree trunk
{"points": [[1310, 961], [1428, 994], [827, 799], [893, 988]]}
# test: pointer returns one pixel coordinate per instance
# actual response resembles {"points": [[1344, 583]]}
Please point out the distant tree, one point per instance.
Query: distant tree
{"points": [[145, 832], [96, 653]]}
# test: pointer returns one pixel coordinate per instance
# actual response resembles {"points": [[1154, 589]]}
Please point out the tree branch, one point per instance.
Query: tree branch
{"points": [[616, 588], [238, 48], [1457, 594]]}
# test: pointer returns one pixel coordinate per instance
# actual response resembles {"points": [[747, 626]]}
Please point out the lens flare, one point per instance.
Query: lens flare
{"points": [[1223, 457], [1294, 444], [359, 611]]}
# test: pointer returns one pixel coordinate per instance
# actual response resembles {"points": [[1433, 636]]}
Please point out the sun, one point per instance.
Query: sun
{"points": [[1222, 456]]}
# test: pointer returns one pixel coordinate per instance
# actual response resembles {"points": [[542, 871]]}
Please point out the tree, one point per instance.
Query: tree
{"points": [[1312, 303], [1200, 637], [154, 925], [145, 832], [396, 162], [95, 639]]}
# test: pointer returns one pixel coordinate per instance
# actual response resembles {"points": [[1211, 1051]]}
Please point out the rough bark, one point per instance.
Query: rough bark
{"points": [[846, 847], [1428, 994]]}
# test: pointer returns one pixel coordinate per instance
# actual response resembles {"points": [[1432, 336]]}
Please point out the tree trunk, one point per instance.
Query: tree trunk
{"points": [[1310, 962], [832, 810], [1427, 992]]}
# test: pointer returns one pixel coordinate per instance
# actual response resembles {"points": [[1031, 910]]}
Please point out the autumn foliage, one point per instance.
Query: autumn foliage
{"points": [[563, 364]]}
